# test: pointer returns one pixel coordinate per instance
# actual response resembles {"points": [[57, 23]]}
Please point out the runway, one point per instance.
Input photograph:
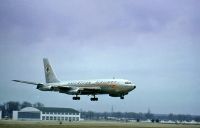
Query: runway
{"points": [[88, 124]]}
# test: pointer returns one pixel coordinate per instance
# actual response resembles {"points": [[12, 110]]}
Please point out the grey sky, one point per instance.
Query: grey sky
{"points": [[154, 43]]}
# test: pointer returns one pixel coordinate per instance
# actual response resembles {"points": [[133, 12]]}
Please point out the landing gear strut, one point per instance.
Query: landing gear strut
{"points": [[76, 98], [94, 98], [122, 97]]}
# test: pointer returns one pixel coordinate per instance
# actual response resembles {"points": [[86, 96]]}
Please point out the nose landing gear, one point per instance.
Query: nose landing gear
{"points": [[122, 97]]}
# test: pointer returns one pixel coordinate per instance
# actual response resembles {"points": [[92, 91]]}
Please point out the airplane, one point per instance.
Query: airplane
{"points": [[112, 87]]}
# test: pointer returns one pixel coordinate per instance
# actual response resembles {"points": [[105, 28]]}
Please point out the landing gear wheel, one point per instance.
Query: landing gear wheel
{"points": [[121, 97], [76, 98], [94, 98]]}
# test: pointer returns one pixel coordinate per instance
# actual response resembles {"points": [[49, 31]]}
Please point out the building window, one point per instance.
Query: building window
{"points": [[62, 118], [58, 118], [51, 117], [77, 118], [70, 119], [74, 119], [43, 117], [66, 118], [54, 118], [47, 118], [43, 112]]}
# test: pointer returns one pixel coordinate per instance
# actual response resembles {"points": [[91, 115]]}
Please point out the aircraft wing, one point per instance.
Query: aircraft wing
{"points": [[89, 88], [64, 89], [26, 82]]}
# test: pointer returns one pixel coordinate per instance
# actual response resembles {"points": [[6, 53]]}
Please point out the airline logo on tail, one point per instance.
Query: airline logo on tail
{"points": [[47, 68]]}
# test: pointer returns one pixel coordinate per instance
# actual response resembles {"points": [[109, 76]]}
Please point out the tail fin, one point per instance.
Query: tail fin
{"points": [[49, 74]]}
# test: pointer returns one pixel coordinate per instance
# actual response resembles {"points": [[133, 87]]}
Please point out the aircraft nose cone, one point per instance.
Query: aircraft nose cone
{"points": [[132, 87]]}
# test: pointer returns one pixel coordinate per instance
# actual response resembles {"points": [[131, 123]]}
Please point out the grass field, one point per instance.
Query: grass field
{"points": [[88, 124]]}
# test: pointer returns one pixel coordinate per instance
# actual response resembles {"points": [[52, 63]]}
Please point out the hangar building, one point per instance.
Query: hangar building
{"points": [[47, 113]]}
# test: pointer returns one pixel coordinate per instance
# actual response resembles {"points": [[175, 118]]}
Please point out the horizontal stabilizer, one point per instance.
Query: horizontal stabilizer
{"points": [[26, 82]]}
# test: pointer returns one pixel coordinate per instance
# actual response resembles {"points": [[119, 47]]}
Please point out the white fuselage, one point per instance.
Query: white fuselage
{"points": [[113, 87]]}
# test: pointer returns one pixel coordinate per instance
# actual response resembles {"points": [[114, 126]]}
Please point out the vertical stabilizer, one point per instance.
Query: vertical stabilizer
{"points": [[49, 74]]}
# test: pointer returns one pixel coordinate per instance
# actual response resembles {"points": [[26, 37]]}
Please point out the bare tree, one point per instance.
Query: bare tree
{"points": [[38, 104], [26, 104]]}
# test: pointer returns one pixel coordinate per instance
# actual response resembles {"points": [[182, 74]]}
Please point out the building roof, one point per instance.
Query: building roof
{"points": [[52, 109], [29, 109]]}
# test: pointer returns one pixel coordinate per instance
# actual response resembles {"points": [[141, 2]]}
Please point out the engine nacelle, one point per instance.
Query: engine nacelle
{"points": [[43, 87], [73, 92]]}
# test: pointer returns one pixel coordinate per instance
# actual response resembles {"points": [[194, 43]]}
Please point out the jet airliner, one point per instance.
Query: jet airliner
{"points": [[112, 87]]}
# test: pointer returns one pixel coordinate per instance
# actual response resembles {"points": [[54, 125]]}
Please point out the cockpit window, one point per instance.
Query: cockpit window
{"points": [[127, 82]]}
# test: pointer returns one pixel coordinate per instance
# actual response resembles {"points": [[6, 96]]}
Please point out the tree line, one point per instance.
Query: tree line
{"points": [[124, 116], [8, 107]]}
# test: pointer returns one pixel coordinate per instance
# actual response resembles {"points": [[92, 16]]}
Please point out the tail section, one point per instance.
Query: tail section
{"points": [[49, 74]]}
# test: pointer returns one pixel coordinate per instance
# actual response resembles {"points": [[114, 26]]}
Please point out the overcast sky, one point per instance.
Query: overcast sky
{"points": [[154, 43]]}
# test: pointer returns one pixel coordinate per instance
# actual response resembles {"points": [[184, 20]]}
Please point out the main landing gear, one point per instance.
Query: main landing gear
{"points": [[122, 97], [76, 98], [94, 98]]}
